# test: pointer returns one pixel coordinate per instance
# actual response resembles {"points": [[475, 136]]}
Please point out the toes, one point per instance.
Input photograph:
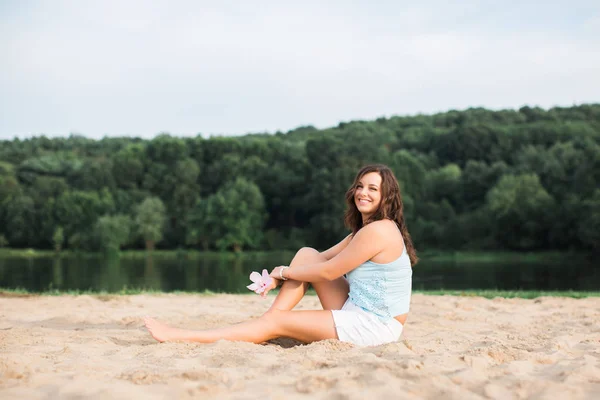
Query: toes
{"points": [[148, 322]]}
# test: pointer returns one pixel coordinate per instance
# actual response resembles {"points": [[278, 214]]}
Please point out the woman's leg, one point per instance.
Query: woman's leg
{"points": [[306, 326], [332, 294]]}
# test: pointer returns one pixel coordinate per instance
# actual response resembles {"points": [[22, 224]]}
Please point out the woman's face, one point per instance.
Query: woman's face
{"points": [[367, 194]]}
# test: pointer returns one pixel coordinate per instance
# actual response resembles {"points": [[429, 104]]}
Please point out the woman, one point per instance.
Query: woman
{"points": [[368, 307]]}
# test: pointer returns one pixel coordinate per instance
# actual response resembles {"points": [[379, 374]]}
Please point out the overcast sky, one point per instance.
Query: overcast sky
{"points": [[137, 68]]}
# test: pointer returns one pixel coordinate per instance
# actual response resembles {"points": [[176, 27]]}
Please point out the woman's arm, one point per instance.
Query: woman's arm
{"points": [[367, 243], [335, 250]]}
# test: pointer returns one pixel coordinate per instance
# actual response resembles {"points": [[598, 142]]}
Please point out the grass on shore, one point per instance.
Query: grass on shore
{"points": [[488, 294], [522, 294]]}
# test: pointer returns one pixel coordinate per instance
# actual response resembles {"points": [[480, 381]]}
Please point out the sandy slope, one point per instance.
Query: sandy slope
{"points": [[452, 347]]}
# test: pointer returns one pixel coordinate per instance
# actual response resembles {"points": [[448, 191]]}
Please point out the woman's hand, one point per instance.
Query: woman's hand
{"points": [[276, 273], [276, 278], [262, 283], [273, 285]]}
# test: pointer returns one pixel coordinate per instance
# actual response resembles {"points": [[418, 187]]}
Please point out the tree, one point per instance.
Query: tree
{"points": [[113, 231], [233, 218], [150, 219], [58, 238], [53, 164], [476, 180], [446, 163], [410, 172], [44, 187], [589, 226], [94, 174], [487, 141], [182, 198], [128, 166], [77, 212], [444, 183], [198, 221], [8, 182], [21, 224], [436, 225], [521, 208], [166, 149]]}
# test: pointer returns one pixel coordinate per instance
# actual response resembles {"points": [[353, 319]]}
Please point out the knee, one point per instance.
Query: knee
{"points": [[271, 314], [307, 255], [271, 319], [307, 251]]}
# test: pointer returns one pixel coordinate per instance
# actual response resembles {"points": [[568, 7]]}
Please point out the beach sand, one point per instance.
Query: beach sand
{"points": [[95, 347]]}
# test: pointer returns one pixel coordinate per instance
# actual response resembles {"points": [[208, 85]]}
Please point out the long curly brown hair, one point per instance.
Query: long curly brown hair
{"points": [[391, 206]]}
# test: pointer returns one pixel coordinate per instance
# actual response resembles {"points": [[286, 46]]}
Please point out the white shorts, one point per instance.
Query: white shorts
{"points": [[360, 327]]}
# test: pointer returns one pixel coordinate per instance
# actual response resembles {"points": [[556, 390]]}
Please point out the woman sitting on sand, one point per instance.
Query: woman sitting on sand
{"points": [[368, 307]]}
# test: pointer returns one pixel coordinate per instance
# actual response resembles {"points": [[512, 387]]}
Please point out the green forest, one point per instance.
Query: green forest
{"points": [[524, 180]]}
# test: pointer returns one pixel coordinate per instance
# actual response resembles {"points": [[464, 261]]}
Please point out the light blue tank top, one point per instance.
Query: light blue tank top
{"points": [[382, 289]]}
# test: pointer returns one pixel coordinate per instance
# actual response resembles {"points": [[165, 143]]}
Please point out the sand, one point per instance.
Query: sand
{"points": [[95, 347]]}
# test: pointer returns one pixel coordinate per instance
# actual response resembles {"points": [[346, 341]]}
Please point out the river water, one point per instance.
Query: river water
{"points": [[220, 272]]}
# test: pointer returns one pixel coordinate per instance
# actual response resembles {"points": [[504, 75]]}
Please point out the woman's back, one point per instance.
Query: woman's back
{"points": [[382, 289]]}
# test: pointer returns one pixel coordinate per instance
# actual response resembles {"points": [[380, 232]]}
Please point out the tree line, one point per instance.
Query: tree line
{"points": [[524, 179]]}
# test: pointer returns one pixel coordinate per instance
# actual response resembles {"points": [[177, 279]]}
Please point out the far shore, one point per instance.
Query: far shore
{"points": [[479, 256]]}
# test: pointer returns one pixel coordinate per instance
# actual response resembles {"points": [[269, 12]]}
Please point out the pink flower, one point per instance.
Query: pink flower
{"points": [[260, 282]]}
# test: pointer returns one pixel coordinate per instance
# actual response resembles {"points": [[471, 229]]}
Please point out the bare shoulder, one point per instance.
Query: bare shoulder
{"points": [[383, 227]]}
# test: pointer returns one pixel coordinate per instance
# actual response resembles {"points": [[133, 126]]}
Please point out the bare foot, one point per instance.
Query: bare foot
{"points": [[162, 332]]}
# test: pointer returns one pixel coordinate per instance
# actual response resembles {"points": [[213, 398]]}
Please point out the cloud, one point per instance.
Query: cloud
{"points": [[186, 67]]}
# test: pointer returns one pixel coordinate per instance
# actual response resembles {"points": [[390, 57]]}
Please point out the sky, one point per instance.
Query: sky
{"points": [[139, 68]]}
